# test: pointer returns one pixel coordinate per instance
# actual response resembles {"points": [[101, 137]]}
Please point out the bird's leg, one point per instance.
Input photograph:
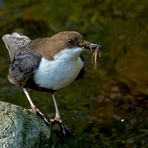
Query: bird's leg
{"points": [[57, 113], [34, 109], [57, 119]]}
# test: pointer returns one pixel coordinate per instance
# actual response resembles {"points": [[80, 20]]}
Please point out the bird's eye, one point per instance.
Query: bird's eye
{"points": [[70, 41], [78, 42]]}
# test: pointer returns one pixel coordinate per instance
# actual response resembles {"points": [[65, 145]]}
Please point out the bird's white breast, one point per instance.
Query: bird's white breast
{"points": [[59, 72]]}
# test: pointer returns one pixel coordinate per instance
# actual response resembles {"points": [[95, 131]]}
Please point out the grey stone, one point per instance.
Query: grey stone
{"points": [[21, 129]]}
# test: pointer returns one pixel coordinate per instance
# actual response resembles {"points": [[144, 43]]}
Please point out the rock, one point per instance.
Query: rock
{"points": [[21, 129]]}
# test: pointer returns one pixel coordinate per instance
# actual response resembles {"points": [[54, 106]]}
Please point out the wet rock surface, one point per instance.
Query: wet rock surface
{"points": [[21, 129]]}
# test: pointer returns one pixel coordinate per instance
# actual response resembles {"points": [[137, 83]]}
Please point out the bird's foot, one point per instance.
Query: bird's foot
{"points": [[56, 119], [65, 132], [36, 111]]}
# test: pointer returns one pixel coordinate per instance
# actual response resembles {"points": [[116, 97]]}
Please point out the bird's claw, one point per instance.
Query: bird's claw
{"points": [[63, 129], [50, 122], [45, 118], [36, 111]]}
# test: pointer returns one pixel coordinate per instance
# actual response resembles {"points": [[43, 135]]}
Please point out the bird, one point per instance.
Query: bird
{"points": [[46, 64]]}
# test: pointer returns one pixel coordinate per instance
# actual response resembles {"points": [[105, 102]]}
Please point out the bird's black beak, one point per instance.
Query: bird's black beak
{"points": [[90, 46]]}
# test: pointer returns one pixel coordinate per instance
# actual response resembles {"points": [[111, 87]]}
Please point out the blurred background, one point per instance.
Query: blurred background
{"points": [[109, 107]]}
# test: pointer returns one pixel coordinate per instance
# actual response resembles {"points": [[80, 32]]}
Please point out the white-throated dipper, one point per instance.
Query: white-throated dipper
{"points": [[46, 64]]}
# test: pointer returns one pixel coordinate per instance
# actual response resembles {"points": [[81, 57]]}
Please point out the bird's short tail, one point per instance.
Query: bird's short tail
{"points": [[14, 42]]}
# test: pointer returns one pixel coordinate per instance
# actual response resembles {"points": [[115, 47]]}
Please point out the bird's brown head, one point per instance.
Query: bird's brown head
{"points": [[75, 39]]}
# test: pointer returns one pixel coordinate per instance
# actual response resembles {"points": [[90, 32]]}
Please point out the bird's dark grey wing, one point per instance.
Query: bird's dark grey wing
{"points": [[81, 74], [23, 66], [82, 71]]}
